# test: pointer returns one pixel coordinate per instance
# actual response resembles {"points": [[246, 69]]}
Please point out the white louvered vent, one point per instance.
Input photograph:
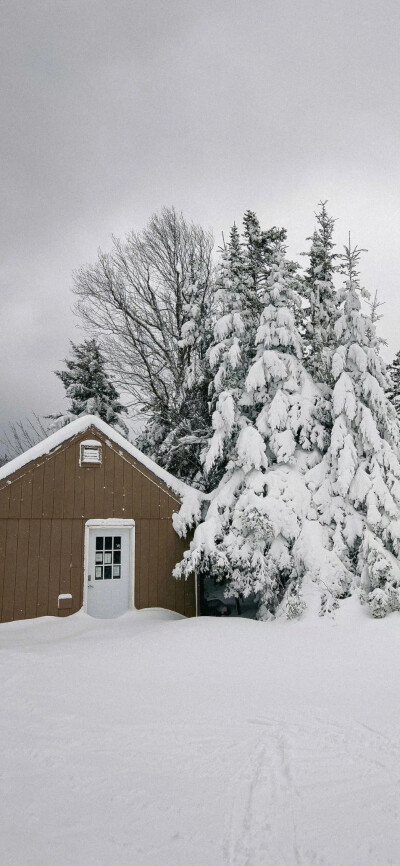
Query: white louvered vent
{"points": [[90, 452]]}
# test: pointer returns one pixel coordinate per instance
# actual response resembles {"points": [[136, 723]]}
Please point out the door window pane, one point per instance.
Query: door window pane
{"points": [[108, 557]]}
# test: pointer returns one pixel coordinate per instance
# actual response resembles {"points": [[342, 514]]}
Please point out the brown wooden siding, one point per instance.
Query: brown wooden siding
{"points": [[43, 510]]}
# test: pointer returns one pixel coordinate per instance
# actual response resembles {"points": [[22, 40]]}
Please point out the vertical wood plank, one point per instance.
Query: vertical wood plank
{"points": [[98, 510], [154, 501], [44, 568], [3, 539], [37, 490], [144, 530], [172, 506], [79, 491], [127, 505], [4, 500], [69, 481], [77, 538], [169, 563], [161, 563], [21, 572], [33, 569], [119, 498], [145, 503], [109, 482], [164, 505], [152, 563], [48, 488], [137, 483], [59, 478], [26, 495], [10, 565], [15, 498], [55, 565], [65, 556], [88, 480]]}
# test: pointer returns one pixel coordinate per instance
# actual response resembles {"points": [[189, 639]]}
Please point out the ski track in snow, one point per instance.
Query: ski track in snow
{"points": [[254, 831], [274, 794]]}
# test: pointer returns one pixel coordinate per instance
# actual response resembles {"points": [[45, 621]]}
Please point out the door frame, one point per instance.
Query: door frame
{"points": [[111, 523]]}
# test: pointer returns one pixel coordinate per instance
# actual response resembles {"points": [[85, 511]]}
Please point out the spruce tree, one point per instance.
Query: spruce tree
{"points": [[88, 387], [357, 484], [234, 333], [394, 384], [245, 266], [259, 247], [321, 296], [254, 535]]}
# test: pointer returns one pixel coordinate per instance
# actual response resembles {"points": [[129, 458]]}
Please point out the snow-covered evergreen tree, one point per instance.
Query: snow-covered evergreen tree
{"points": [[245, 266], [321, 295], [88, 388], [394, 384], [310, 493], [234, 331], [357, 484], [256, 532]]}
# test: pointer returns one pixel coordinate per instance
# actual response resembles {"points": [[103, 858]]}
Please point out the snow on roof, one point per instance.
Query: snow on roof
{"points": [[79, 426]]}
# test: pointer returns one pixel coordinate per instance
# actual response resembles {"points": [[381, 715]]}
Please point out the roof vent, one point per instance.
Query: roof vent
{"points": [[90, 452]]}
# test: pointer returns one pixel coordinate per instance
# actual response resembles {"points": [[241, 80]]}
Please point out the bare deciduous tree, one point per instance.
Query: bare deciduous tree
{"points": [[23, 434], [148, 302]]}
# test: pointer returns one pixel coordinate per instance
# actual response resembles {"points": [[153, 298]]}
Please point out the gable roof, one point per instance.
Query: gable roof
{"points": [[79, 426]]}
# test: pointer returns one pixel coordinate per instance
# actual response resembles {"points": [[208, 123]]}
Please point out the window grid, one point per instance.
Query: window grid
{"points": [[108, 557]]}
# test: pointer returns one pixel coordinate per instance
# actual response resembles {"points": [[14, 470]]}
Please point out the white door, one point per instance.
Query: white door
{"points": [[108, 572]]}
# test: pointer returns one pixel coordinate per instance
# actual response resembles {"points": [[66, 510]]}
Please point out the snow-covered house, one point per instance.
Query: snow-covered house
{"points": [[86, 519]]}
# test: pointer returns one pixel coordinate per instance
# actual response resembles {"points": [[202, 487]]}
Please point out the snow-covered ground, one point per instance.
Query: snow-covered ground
{"points": [[157, 741]]}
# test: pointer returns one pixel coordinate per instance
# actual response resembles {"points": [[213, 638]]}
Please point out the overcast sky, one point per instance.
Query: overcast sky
{"points": [[110, 110]]}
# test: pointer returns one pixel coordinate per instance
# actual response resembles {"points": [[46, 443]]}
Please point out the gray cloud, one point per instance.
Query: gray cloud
{"points": [[110, 111]]}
